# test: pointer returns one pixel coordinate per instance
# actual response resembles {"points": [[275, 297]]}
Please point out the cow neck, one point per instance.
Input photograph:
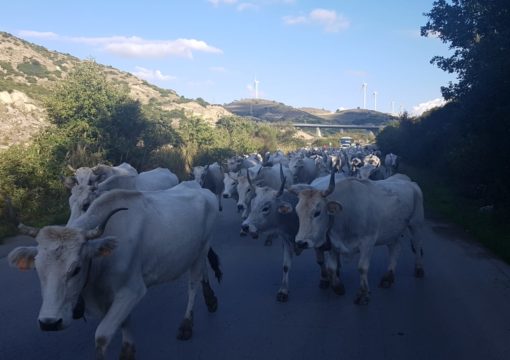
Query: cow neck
{"points": [[327, 245]]}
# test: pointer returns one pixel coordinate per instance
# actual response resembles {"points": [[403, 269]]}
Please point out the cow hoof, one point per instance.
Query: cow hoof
{"points": [[243, 233], [419, 272], [185, 330], [387, 280], [282, 297], [324, 284], [362, 298], [339, 289], [127, 352], [268, 242]]}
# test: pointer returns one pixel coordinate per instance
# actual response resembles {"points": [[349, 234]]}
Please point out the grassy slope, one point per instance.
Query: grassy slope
{"points": [[441, 200]]}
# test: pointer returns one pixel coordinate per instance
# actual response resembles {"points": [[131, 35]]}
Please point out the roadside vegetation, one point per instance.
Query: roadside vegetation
{"points": [[95, 121], [459, 152]]}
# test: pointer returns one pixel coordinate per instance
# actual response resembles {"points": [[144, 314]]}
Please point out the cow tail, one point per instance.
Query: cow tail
{"points": [[214, 261]]}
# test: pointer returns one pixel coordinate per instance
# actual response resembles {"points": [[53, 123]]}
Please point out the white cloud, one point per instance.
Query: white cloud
{"points": [[329, 20], [38, 34], [148, 74], [219, 2], [138, 47], [247, 6], [423, 107], [295, 20]]}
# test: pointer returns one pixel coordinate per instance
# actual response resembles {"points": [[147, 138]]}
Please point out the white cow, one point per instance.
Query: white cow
{"points": [[97, 174], [272, 212], [230, 186], [109, 263], [270, 176], [355, 215], [210, 177], [391, 163], [82, 195]]}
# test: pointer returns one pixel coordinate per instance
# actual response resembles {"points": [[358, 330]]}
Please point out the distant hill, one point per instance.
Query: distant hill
{"points": [[359, 117], [28, 71], [270, 111]]}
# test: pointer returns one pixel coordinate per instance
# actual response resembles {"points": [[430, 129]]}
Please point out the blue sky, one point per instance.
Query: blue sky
{"points": [[303, 53]]}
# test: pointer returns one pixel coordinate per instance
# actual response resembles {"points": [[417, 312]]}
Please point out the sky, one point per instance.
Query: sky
{"points": [[303, 53]]}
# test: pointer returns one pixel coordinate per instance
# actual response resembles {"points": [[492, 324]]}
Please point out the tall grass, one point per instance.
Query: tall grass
{"points": [[442, 199]]}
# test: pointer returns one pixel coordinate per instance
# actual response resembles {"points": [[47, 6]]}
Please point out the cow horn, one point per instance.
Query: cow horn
{"points": [[71, 168], [28, 230], [331, 186], [282, 186], [248, 177], [98, 231]]}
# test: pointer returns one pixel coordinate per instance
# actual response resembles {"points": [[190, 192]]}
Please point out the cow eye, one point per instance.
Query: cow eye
{"points": [[317, 213], [248, 190], [265, 209], [85, 206], [76, 271]]}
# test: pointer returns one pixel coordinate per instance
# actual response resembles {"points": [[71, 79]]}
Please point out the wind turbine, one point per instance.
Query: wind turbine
{"points": [[364, 87], [256, 82], [375, 100]]}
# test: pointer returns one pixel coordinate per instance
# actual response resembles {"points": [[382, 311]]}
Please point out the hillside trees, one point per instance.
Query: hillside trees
{"points": [[468, 137], [93, 122]]}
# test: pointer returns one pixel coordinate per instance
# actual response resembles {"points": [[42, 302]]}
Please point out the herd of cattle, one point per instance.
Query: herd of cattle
{"points": [[128, 231]]}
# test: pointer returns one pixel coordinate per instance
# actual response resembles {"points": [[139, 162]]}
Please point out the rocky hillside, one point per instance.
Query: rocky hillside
{"points": [[28, 71]]}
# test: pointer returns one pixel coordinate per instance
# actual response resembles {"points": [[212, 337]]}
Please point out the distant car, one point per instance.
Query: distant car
{"points": [[345, 142]]}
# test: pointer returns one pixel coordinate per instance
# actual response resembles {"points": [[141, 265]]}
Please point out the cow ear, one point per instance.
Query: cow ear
{"points": [[103, 246], [22, 257], [333, 207], [285, 208]]}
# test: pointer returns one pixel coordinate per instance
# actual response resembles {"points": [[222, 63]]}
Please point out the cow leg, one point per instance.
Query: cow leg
{"points": [[195, 276], [220, 207], [333, 269], [362, 298], [269, 240], [128, 345], [319, 258], [124, 302], [210, 299], [418, 233], [389, 278], [283, 292]]}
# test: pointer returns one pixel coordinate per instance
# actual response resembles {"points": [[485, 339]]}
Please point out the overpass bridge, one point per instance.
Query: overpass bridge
{"points": [[374, 128]]}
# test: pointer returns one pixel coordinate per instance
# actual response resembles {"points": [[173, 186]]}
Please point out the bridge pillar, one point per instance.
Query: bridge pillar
{"points": [[318, 132]]}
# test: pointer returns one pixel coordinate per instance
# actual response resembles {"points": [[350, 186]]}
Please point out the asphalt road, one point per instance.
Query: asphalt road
{"points": [[460, 310]]}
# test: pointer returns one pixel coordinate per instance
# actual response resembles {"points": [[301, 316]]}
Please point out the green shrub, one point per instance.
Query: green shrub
{"points": [[33, 68]]}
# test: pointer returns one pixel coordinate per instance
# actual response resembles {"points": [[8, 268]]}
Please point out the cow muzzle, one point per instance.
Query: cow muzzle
{"points": [[246, 228], [47, 324]]}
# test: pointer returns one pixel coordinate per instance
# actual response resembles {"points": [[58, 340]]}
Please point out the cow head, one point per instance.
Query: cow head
{"points": [[314, 210], [81, 198], [266, 208], [62, 259], [245, 191], [230, 184]]}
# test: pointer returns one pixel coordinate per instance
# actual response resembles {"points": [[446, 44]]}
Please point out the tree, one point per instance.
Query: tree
{"points": [[478, 32]]}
